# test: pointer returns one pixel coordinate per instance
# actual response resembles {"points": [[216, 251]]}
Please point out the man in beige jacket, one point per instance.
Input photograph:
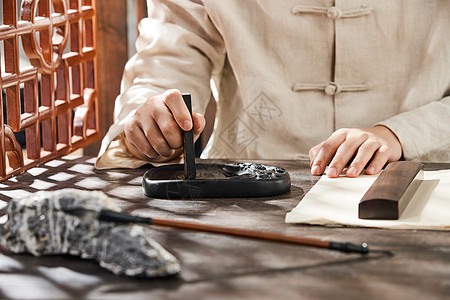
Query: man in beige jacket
{"points": [[342, 82]]}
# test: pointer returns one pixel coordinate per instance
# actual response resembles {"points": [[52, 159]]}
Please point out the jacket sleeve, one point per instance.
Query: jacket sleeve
{"points": [[424, 132], [178, 47]]}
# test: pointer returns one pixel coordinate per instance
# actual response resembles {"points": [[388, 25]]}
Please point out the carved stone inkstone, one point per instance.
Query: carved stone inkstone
{"points": [[40, 225], [238, 180]]}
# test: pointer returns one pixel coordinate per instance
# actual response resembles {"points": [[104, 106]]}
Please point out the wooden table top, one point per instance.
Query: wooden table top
{"points": [[223, 267]]}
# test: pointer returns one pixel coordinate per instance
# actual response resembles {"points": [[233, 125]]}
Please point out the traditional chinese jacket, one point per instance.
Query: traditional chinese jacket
{"points": [[289, 73]]}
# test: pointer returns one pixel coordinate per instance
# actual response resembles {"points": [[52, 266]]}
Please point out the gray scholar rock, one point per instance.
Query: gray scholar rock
{"points": [[39, 225]]}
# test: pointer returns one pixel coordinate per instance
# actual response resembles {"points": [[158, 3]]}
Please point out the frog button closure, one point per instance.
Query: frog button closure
{"points": [[334, 12], [332, 88]]}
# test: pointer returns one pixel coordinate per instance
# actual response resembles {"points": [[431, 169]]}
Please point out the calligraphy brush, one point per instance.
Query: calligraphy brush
{"points": [[118, 217]]}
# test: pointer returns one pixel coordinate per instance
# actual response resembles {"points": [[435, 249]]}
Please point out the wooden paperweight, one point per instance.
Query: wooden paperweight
{"points": [[391, 192]]}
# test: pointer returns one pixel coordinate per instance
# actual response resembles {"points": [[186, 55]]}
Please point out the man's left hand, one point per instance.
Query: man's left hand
{"points": [[378, 144]]}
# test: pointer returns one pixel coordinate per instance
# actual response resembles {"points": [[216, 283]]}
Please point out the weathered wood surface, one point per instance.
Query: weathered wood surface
{"points": [[222, 267]]}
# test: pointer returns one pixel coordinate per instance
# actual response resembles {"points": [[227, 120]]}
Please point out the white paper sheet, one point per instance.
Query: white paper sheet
{"points": [[334, 202]]}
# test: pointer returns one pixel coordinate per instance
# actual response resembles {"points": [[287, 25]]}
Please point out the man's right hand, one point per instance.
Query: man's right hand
{"points": [[155, 130]]}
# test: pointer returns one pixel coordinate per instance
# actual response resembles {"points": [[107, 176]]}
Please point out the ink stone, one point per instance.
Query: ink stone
{"points": [[238, 180]]}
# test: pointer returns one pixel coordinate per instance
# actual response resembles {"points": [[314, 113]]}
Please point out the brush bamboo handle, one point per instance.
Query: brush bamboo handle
{"points": [[114, 216], [266, 236]]}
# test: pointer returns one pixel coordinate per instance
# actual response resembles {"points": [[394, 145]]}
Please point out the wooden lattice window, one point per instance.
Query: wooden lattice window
{"points": [[51, 99]]}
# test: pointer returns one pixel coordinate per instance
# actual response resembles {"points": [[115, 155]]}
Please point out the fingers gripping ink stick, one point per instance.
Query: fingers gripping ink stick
{"points": [[213, 180]]}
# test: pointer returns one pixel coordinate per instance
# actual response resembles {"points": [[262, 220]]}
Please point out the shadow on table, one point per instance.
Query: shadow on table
{"points": [[76, 278]]}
